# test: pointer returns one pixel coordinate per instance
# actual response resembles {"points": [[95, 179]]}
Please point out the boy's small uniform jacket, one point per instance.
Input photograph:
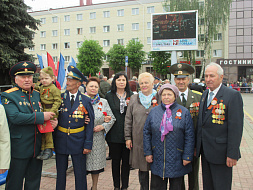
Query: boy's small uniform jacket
{"points": [[23, 110], [72, 134]]}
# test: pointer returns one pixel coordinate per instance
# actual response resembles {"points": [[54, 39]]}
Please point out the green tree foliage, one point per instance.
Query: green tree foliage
{"points": [[135, 55], [90, 57], [213, 14], [116, 57], [17, 28], [161, 61]]}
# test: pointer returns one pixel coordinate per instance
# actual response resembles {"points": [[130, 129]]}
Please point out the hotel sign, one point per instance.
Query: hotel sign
{"points": [[235, 62]]}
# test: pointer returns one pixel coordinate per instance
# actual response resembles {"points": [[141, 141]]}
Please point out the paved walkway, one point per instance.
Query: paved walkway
{"points": [[242, 173]]}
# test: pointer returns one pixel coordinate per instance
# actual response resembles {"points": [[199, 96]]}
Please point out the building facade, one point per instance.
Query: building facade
{"points": [[239, 63], [63, 30]]}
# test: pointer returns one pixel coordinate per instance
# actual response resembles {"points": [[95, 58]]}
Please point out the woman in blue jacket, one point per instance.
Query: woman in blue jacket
{"points": [[168, 140]]}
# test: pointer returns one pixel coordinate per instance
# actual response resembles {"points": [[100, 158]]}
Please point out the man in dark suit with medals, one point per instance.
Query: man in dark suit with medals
{"points": [[189, 99], [72, 136], [219, 130], [23, 110]]}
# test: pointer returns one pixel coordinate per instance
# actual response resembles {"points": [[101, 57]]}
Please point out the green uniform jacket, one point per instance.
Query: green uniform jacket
{"points": [[50, 95], [23, 113], [192, 98]]}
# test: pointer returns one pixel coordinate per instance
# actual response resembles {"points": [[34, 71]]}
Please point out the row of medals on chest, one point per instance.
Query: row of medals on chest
{"points": [[218, 113]]}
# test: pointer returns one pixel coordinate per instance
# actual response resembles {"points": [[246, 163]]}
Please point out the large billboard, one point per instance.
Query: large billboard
{"points": [[174, 31]]}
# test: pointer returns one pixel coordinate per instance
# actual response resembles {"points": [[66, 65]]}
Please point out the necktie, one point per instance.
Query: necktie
{"points": [[210, 98], [183, 99], [72, 100]]}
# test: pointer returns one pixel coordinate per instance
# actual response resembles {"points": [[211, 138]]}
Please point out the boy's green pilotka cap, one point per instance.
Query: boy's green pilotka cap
{"points": [[74, 73], [48, 70], [23, 68], [181, 70]]}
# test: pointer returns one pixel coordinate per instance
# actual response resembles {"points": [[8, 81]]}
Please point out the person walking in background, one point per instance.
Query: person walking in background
{"points": [[23, 111], [219, 130], [72, 136], [5, 147], [168, 141], [137, 112], [118, 99], [104, 87], [189, 99], [96, 159]]}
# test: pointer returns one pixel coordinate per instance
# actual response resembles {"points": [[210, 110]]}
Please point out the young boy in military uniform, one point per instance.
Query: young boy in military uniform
{"points": [[50, 97]]}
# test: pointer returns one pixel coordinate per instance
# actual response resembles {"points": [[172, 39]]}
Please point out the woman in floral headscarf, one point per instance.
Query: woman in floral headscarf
{"points": [[138, 109], [168, 141]]}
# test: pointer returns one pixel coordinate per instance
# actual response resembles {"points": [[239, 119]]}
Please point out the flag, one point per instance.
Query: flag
{"points": [[44, 59], [73, 63], [40, 61], [61, 72], [51, 63]]}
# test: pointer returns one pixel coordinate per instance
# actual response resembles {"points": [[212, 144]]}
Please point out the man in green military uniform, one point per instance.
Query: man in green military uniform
{"points": [[22, 106], [189, 99], [50, 97]]}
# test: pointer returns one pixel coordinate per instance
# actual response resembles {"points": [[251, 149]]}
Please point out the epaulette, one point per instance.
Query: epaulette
{"points": [[12, 90], [36, 91], [63, 91], [196, 92]]}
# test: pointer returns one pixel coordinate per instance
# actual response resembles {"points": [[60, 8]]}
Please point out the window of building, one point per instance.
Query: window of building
{"points": [[66, 32], [93, 29], [120, 27], [239, 31], [120, 12], [79, 31], [148, 40], [79, 16], [219, 21], [54, 32], [66, 18], [200, 53], [55, 58], [54, 19], [201, 4], [239, 49], [67, 58], [217, 37], [106, 28], [43, 34], [217, 53], [54, 46], [148, 25], [106, 43], [135, 26], [166, 8], [106, 14], [239, 14], [201, 37], [92, 15], [43, 21], [201, 21], [42, 46], [150, 9], [67, 45], [120, 41], [135, 11], [135, 39], [31, 49], [79, 44]]}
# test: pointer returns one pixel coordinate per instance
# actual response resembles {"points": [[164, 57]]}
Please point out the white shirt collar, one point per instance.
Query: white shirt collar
{"points": [[73, 94], [214, 91], [185, 94]]}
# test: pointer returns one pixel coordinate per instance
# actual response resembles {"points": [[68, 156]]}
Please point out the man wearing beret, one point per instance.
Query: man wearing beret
{"points": [[189, 99], [72, 136], [23, 110], [219, 130]]}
